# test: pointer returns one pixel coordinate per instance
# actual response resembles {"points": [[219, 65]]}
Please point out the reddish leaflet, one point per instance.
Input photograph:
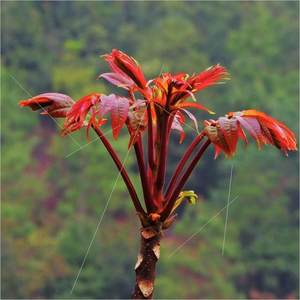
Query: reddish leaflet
{"points": [[162, 107]]}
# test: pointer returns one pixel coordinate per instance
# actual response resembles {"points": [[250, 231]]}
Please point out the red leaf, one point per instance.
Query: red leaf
{"points": [[229, 129], [125, 65], [118, 108], [54, 104], [118, 79], [177, 125], [193, 105], [208, 77], [76, 117], [193, 118], [107, 104], [225, 132], [253, 127]]}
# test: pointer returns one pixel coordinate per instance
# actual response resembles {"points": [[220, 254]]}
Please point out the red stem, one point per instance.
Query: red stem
{"points": [[171, 200], [172, 115], [138, 147], [182, 163], [163, 153], [122, 170], [150, 139], [164, 140]]}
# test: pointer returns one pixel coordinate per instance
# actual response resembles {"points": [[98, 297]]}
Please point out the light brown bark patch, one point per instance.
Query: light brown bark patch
{"points": [[156, 251], [139, 261], [146, 287], [148, 233]]}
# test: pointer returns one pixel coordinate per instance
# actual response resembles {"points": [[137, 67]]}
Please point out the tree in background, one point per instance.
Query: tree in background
{"points": [[162, 108], [43, 247]]}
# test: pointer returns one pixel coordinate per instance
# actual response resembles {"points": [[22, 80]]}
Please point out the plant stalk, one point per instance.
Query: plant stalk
{"points": [[138, 147], [122, 170], [163, 153], [151, 158], [172, 198], [182, 163], [146, 262]]}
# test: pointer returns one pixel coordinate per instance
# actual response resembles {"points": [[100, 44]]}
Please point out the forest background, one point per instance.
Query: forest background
{"points": [[54, 192]]}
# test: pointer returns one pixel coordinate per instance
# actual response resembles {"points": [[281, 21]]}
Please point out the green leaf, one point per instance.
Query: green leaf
{"points": [[190, 196]]}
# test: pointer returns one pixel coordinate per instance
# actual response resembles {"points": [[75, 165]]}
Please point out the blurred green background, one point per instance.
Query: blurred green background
{"points": [[52, 201]]}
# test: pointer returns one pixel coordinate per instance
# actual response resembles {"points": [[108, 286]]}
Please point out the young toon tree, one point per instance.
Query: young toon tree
{"points": [[152, 109]]}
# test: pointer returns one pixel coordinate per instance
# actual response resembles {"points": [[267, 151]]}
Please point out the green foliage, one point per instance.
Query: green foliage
{"points": [[54, 194], [189, 196]]}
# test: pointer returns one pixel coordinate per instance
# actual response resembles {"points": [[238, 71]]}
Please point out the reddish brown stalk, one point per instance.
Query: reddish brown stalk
{"points": [[163, 153], [171, 200], [182, 163], [138, 147], [151, 158], [172, 115], [164, 140], [122, 171]]}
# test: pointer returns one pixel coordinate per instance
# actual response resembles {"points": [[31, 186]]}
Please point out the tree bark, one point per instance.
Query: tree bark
{"points": [[146, 262]]}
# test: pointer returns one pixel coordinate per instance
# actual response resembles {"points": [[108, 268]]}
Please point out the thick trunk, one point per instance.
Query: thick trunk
{"points": [[146, 262]]}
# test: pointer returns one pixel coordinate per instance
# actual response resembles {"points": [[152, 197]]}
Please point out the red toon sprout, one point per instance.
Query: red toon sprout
{"points": [[54, 104], [126, 71], [225, 132], [151, 110]]}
